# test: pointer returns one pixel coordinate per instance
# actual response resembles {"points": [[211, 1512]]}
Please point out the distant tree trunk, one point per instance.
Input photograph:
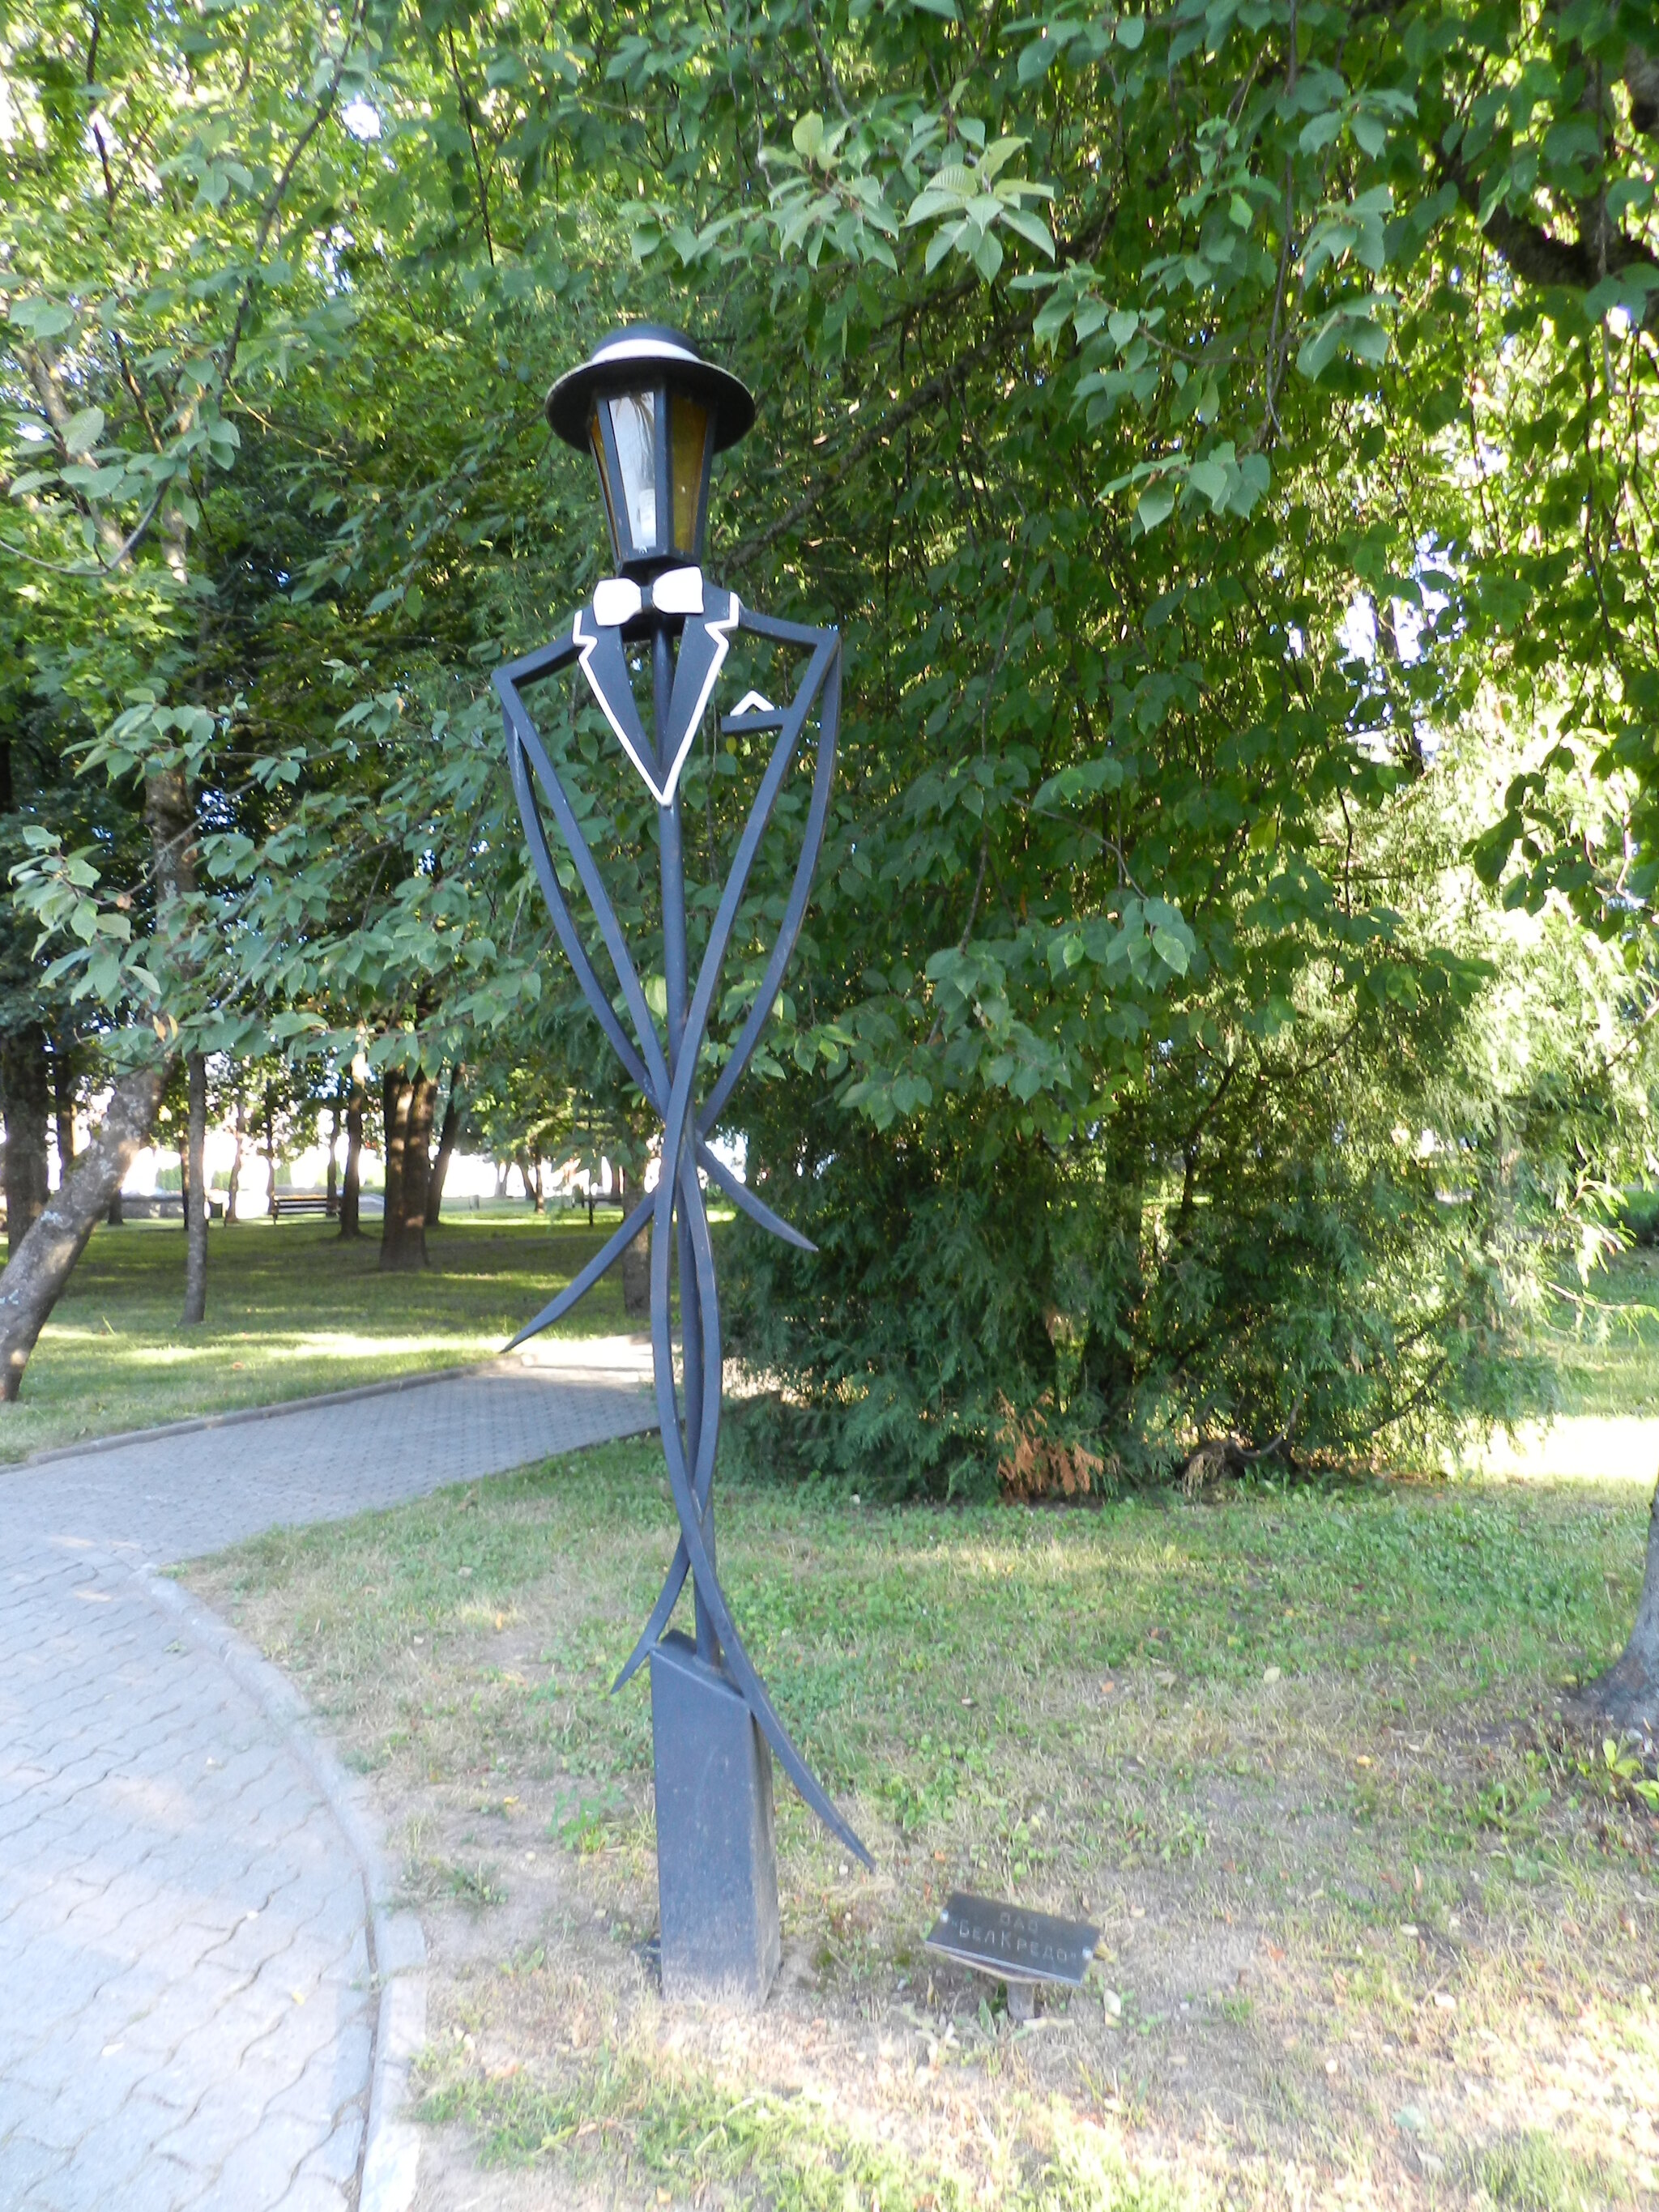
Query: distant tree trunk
{"points": [[271, 1147], [351, 1192], [331, 1204], [503, 1168], [63, 1094], [45, 1259], [394, 1134], [636, 1274], [114, 1216], [434, 1189], [26, 1079], [236, 1156], [407, 1105], [1627, 1695], [196, 1200]]}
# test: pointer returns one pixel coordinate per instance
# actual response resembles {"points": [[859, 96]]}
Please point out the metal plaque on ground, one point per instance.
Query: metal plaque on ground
{"points": [[1002, 1939]]}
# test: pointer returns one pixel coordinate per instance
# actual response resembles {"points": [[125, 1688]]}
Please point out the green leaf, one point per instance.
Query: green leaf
{"points": [[1030, 226], [1154, 504], [1171, 950], [42, 318], [83, 430], [1317, 353], [1209, 479]]}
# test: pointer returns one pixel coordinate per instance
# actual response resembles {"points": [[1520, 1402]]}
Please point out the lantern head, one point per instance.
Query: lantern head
{"points": [[654, 413]]}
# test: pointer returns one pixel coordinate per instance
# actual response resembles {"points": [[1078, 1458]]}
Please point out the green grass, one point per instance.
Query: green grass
{"points": [[1296, 1751], [1377, 1927], [292, 1311]]}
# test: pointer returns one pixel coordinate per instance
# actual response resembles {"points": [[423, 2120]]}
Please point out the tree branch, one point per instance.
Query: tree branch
{"points": [[1539, 257]]}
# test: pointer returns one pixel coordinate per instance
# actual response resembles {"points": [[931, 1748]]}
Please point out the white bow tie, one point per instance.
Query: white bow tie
{"points": [[619, 598]]}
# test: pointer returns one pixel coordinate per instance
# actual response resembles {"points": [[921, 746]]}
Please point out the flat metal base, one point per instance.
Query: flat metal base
{"points": [[717, 1870]]}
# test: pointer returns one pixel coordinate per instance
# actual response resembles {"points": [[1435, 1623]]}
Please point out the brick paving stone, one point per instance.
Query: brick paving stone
{"points": [[171, 1879]]}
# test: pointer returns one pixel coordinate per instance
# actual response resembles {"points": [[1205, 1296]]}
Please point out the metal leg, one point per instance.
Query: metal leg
{"points": [[677, 968], [689, 1418]]}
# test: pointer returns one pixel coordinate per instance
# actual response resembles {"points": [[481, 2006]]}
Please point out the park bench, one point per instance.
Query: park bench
{"points": [[299, 1201]]}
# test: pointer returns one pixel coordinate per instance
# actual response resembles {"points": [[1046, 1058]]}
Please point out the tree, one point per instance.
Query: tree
{"points": [[129, 162]]}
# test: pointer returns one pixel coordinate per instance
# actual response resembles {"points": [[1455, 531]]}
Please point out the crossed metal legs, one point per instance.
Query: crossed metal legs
{"points": [[694, 1686]]}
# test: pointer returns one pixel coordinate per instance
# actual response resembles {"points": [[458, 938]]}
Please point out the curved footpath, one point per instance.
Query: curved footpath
{"points": [[206, 1999]]}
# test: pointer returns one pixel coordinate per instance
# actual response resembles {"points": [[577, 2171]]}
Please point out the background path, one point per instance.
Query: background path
{"points": [[188, 1998]]}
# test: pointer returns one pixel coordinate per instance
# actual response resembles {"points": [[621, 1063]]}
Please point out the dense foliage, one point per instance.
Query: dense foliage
{"points": [[1224, 435]]}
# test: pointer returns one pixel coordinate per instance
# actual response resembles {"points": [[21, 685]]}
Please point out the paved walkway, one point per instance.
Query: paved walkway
{"points": [[190, 1955]]}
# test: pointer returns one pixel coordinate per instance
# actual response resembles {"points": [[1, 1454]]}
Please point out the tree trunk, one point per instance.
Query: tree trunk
{"points": [[63, 1095], [331, 1201], [114, 1217], [394, 1134], [636, 1275], [434, 1189], [271, 1148], [407, 1104], [45, 1259], [236, 1156], [351, 1194], [26, 1079], [196, 1199], [1627, 1696]]}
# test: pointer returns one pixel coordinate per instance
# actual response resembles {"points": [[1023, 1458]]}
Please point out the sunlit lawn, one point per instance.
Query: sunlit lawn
{"points": [[292, 1311], [1377, 1930]]}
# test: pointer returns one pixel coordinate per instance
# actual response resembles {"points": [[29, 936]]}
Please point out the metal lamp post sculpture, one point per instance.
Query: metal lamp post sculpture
{"points": [[654, 414]]}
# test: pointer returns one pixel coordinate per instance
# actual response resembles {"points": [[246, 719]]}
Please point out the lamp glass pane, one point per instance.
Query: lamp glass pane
{"points": [[688, 434], [597, 441], [634, 422]]}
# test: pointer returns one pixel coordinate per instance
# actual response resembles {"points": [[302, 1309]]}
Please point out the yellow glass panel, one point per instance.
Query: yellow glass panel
{"points": [[688, 434]]}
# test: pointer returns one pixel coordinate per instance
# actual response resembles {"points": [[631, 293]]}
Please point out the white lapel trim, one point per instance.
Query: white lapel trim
{"points": [[626, 742], [721, 630]]}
